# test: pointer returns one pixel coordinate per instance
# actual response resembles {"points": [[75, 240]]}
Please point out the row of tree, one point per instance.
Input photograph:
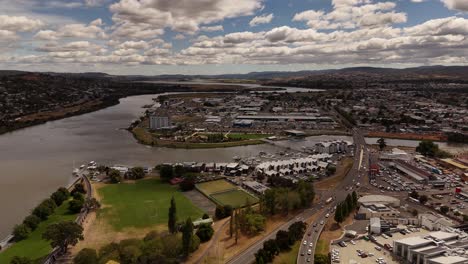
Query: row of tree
{"points": [[283, 199], [347, 206], [40, 213], [283, 242], [189, 240]]}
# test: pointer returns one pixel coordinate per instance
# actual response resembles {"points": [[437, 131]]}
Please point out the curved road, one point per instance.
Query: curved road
{"points": [[248, 256], [356, 174]]}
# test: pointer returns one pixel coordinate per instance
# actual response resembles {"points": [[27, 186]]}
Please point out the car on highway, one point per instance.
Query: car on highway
{"points": [[305, 242], [327, 215], [308, 234], [311, 244], [309, 252], [321, 222], [308, 259]]}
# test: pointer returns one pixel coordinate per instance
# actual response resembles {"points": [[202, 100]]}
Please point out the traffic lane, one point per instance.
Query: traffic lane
{"points": [[248, 255]]}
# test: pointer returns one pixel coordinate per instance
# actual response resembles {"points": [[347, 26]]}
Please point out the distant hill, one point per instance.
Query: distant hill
{"points": [[459, 72]]}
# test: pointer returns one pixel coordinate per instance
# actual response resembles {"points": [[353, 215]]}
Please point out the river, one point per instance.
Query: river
{"points": [[35, 161]]}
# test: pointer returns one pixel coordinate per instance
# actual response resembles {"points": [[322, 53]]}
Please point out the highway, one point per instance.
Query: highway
{"points": [[248, 256], [356, 174]]}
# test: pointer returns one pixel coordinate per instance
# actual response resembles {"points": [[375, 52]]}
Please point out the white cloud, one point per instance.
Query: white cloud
{"points": [[263, 19], [91, 31], [212, 28], [461, 5], [19, 23], [183, 15]]}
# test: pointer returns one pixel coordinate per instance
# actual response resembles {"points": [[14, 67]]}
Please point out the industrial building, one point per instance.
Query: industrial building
{"points": [[379, 199]]}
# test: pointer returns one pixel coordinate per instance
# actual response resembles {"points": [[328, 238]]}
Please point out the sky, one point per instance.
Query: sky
{"points": [[151, 37]]}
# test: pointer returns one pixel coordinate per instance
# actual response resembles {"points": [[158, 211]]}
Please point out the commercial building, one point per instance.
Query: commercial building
{"points": [[434, 222], [371, 210], [380, 199], [332, 146], [284, 118], [435, 247], [160, 122]]}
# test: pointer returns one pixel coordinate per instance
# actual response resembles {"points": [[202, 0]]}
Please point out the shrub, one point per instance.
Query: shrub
{"points": [[21, 232], [32, 221], [205, 232], [86, 256]]}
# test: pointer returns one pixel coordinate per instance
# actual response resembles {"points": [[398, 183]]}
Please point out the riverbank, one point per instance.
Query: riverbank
{"points": [[145, 137]]}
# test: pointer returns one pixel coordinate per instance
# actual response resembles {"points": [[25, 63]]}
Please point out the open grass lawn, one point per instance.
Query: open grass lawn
{"points": [[235, 198], [289, 256], [241, 136], [144, 203], [34, 247], [215, 186], [322, 247]]}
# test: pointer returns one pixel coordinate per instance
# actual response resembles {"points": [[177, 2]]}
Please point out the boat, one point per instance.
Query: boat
{"points": [[76, 172], [82, 166]]}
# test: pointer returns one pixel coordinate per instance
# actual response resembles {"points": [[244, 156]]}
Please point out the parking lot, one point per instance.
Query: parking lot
{"points": [[362, 251], [349, 254]]}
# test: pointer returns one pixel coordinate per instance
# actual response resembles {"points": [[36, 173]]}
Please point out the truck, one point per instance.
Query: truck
{"points": [[329, 200]]}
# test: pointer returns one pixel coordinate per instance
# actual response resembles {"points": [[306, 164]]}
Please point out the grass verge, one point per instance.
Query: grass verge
{"points": [[288, 257], [342, 169], [34, 247]]}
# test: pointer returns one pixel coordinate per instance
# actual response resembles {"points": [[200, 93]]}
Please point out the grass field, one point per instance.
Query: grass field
{"points": [[211, 187], [34, 247], [223, 193], [241, 136], [144, 203], [235, 198]]}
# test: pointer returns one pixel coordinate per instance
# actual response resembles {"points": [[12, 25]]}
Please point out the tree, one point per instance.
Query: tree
{"points": [[271, 250], [78, 196], [270, 201], [331, 169], [423, 199], [382, 143], [414, 194], [32, 221], [205, 216], [344, 210], [282, 240], [172, 221], [92, 204], [219, 212], [252, 223], [444, 209], [338, 214], [60, 196], [187, 184], [137, 173], [205, 232], [297, 230], [114, 176], [349, 202], [427, 148], [86, 256], [63, 234], [179, 170], [43, 210], [187, 233], [75, 206], [21, 232], [20, 260], [355, 199], [166, 172], [79, 187], [465, 218]]}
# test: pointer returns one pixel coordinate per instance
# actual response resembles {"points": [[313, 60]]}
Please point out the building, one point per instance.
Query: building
{"points": [[381, 199], [414, 172], [333, 146], [434, 247], [371, 210], [434, 222], [374, 224], [255, 187], [160, 122]]}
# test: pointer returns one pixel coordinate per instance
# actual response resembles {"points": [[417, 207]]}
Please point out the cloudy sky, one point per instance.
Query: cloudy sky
{"points": [[229, 36]]}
